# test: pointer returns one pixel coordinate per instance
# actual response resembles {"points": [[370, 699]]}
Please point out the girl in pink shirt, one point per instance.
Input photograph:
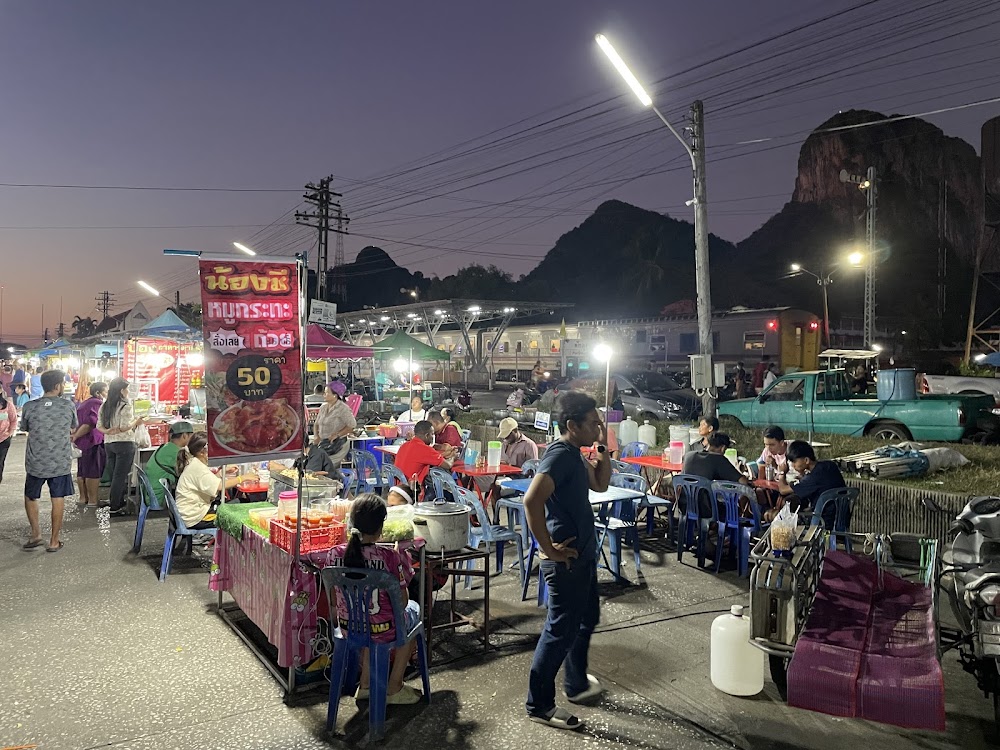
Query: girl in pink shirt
{"points": [[367, 517]]}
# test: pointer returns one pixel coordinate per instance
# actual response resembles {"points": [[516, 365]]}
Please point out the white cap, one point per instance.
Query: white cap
{"points": [[737, 610], [507, 426]]}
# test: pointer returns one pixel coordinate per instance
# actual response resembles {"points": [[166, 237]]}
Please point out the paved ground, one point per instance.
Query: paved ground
{"points": [[95, 652]]}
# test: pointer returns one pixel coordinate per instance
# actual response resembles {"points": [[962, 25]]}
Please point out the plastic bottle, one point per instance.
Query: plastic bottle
{"points": [[647, 433], [628, 432], [736, 667]]}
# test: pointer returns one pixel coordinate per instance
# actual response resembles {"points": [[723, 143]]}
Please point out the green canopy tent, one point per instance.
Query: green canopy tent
{"points": [[400, 346]]}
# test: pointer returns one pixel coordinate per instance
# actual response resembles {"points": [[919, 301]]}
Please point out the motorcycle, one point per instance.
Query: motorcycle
{"points": [[970, 575]]}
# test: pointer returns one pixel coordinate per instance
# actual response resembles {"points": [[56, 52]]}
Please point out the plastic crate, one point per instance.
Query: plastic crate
{"points": [[388, 432], [310, 540]]}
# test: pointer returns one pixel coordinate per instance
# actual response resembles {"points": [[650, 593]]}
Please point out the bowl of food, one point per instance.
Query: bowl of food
{"points": [[253, 427]]}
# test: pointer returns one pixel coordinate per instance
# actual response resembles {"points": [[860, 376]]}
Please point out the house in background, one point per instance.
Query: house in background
{"points": [[130, 321]]}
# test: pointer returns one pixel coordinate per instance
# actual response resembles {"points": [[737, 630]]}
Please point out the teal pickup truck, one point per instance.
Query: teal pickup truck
{"points": [[823, 402]]}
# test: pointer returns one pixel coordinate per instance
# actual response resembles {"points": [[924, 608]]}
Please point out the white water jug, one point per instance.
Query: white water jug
{"points": [[628, 432], [647, 434], [676, 451], [736, 667]]}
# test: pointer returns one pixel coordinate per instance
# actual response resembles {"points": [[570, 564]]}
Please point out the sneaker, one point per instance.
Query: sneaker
{"points": [[122, 511], [362, 694], [405, 697], [594, 690], [202, 540]]}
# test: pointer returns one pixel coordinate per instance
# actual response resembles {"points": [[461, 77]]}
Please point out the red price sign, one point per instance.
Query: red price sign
{"points": [[253, 367]]}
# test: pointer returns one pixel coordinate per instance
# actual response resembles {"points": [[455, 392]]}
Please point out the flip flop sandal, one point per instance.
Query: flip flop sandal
{"points": [[54, 549], [33, 543], [560, 718]]}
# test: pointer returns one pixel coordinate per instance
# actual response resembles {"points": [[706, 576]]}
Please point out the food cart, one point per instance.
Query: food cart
{"points": [[851, 633]]}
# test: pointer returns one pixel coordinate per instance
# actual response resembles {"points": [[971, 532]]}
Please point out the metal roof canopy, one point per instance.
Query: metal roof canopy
{"points": [[429, 317]]}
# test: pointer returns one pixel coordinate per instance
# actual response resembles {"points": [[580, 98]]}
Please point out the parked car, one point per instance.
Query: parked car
{"points": [[823, 402], [951, 384], [653, 396]]}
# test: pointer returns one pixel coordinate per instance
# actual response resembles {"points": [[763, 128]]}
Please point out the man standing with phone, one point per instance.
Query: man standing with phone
{"points": [[558, 511]]}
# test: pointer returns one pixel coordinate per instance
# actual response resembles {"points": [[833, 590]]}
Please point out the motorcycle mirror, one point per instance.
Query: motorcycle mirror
{"points": [[932, 505]]}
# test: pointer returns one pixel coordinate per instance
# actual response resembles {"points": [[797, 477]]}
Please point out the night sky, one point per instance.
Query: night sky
{"points": [[270, 95]]}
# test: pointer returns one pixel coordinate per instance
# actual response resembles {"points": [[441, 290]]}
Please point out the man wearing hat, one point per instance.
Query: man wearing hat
{"points": [[517, 448], [163, 463]]}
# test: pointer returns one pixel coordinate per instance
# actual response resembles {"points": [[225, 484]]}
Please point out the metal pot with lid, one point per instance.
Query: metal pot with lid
{"points": [[442, 525]]}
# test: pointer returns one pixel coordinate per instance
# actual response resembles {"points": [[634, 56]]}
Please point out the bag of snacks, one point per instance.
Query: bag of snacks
{"points": [[784, 530]]}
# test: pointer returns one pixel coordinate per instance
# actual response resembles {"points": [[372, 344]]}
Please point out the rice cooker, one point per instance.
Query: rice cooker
{"points": [[443, 526]]}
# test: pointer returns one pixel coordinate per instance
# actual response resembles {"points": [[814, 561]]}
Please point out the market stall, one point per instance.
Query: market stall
{"points": [[163, 363], [403, 355]]}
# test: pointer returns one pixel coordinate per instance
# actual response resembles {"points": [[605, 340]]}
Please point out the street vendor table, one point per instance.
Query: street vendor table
{"points": [[388, 450], [649, 463], [278, 596]]}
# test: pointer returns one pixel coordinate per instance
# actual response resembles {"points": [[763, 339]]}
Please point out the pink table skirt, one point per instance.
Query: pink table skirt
{"points": [[279, 597]]}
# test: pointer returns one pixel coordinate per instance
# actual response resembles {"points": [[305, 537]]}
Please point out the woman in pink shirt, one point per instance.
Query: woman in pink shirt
{"points": [[8, 426], [367, 516]]}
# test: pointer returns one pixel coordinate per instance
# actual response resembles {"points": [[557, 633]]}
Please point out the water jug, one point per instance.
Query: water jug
{"points": [[628, 432], [647, 434], [694, 436], [676, 451], [493, 454], [736, 667], [679, 433]]}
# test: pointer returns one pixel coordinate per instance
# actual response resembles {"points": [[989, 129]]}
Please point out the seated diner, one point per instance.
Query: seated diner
{"points": [[817, 478], [199, 489]]}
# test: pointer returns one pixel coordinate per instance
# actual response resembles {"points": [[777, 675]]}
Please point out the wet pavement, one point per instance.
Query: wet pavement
{"points": [[95, 652]]}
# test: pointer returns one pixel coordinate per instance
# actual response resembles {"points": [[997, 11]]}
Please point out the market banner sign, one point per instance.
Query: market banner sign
{"points": [[324, 313], [162, 371], [252, 319]]}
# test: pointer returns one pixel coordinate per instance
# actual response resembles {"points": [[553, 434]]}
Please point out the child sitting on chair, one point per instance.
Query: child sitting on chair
{"points": [[367, 517]]}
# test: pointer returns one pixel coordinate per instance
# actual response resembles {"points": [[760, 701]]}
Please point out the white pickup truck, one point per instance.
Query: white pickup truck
{"points": [[955, 384]]}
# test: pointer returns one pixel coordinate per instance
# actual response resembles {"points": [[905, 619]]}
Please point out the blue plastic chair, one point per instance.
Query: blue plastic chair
{"points": [[530, 467], [690, 488], [733, 527], [465, 435], [620, 467], [359, 587], [350, 479], [392, 477], [490, 533], [634, 449], [844, 498], [176, 529], [147, 502], [369, 478], [442, 480], [619, 526]]}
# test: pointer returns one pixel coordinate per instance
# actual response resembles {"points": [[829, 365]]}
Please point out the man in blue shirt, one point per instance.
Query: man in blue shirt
{"points": [[559, 514]]}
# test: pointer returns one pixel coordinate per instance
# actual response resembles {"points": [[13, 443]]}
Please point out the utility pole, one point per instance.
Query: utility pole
{"points": [[177, 300], [872, 193], [321, 197], [869, 184], [104, 302], [339, 280], [702, 275]]}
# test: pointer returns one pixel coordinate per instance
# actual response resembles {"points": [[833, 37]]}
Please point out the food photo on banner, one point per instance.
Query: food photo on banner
{"points": [[252, 319]]}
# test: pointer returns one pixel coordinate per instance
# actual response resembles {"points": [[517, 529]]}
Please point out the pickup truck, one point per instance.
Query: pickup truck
{"points": [[960, 384], [822, 401]]}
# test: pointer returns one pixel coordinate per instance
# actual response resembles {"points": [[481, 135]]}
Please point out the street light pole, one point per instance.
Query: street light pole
{"points": [[696, 152], [823, 280]]}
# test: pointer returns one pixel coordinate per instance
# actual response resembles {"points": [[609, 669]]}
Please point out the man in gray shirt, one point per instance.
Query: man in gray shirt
{"points": [[49, 421]]}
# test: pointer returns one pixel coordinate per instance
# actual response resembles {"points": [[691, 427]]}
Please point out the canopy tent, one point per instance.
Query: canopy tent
{"points": [[168, 325], [56, 348], [401, 346], [321, 344]]}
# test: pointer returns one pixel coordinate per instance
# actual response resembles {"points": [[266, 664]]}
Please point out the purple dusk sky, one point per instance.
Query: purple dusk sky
{"points": [[255, 94]]}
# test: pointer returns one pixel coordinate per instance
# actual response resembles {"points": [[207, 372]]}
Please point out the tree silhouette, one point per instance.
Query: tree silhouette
{"points": [[83, 327]]}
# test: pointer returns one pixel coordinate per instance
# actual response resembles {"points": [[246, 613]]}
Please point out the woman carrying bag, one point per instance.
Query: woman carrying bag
{"points": [[334, 423], [120, 433]]}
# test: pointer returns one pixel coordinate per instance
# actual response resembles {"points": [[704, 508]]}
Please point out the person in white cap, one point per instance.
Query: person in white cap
{"points": [[517, 448]]}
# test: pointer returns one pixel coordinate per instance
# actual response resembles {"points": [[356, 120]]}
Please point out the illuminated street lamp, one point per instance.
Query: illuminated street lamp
{"points": [[824, 280], [603, 352], [240, 246], [149, 288]]}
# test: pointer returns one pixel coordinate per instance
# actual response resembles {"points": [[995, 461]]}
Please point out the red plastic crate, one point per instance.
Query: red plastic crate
{"points": [[388, 432], [310, 540]]}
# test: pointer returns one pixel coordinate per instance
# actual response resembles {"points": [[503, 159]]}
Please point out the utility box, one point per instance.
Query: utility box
{"points": [[701, 372], [720, 374]]}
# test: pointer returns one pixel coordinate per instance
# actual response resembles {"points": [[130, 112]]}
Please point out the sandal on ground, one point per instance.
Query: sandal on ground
{"points": [[54, 549], [362, 694], [32, 543], [593, 691], [559, 718], [406, 696]]}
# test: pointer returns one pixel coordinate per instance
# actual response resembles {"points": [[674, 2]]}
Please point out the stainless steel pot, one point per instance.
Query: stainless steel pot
{"points": [[443, 526]]}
